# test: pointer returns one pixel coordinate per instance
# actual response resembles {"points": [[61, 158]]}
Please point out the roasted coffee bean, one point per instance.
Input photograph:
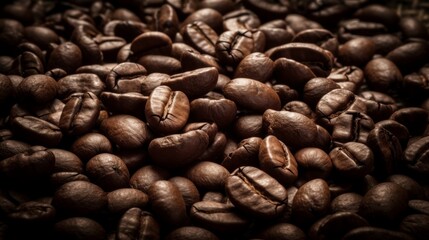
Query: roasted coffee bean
{"points": [[124, 103], [20, 167], [29, 64], [79, 198], [177, 150], [409, 56], [255, 192], [160, 64], [108, 171], [91, 144], [285, 93], [66, 161], [33, 212], [188, 190], [415, 119], [193, 83], [384, 204], [245, 154], [319, 60], [167, 111], [83, 36], [384, 43], [282, 231], [336, 225], [136, 223], [109, 46], [145, 176], [351, 126], [354, 28], [313, 163], [412, 27], [416, 155], [387, 151], [378, 13], [352, 160], [240, 19], [192, 60], [168, 204], [267, 9], [292, 73], [127, 30], [214, 151], [79, 227], [60, 178], [419, 206], [378, 105], [276, 159], [316, 88], [125, 131], [200, 36], [191, 233], [208, 176], [416, 82], [251, 95], [166, 21], [368, 232], [346, 202], [300, 23], [356, 52], [321, 37], [37, 131], [397, 129], [151, 43], [348, 77], [286, 126], [256, 66], [209, 16], [415, 225], [80, 113], [233, 46], [415, 191], [276, 35], [382, 74], [220, 111], [218, 217], [210, 128], [120, 200], [10, 147], [41, 36], [80, 83], [126, 77], [299, 107], [66, 56], [311, 201], [248, 126], [30, 93]]}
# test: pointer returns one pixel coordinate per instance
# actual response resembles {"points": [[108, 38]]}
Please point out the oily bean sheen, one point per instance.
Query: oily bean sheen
{"points": [[353, 160], [251, 95], [108, 171], [276, 159], [167, 111], [178, 150], [257, 193], [293, 129], [37, 131], [125, 131], [137, 224]]}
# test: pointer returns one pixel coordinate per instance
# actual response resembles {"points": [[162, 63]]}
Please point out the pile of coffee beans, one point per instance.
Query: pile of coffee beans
{"points": [[213, 119]]}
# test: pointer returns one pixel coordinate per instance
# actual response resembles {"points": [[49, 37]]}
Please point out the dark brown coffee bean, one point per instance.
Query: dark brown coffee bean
{"points": [[30, 92], [79, 227], [336, 225], [367, 233], [352, 160], [218, 217], [245, 154], [412, 27], [194, 83], [60, 178], [200, 36], [29, 64], [127, 30], [208, 176], [255, 192], [256, 66], [252, 95], [79, 198], [248, 126], [209, 16], [191, 233], [378, 13], [120, 200], [276, 159], [321, 37], [66, 56], [348, 77], [136, 223], [21, 166], [160, 64], [166, 20], [384, 204], [11, 147], [214, 151], [80, 83], [152, 81], [346, 202], [220, 111], [416, 155], [382, 74], [33, 212], [83, 36], [292, 73], [80, 113], [319, 60], [240, 19], [311, 201], [108, 171], [397, 129], [414, 118], [192, 60], [178, 150], [210, 128], [151, 43], [416, 225], [356, 52], [286, 126], [37, 131], [167, 111], [145, 176], [124, 103], [234, 46], [188, 190], [126, 131], [167, 203], [313, 163], [415, 191], [66, 161], [409, 56], [316, 88], [351, 126], [91, 144], [126, 77], [355, 28], [384, 43], [282, 231]]}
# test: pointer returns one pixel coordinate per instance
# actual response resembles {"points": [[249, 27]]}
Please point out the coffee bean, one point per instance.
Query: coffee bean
{"points": [[352, 160], [313, 163], [137, 223], [84, 228]]}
